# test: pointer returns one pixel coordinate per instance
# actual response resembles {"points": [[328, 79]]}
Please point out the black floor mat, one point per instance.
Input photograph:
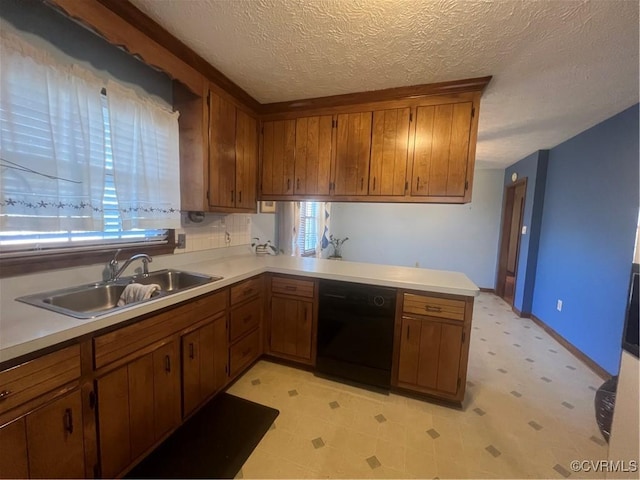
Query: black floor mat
{"points": [[214, 443]]}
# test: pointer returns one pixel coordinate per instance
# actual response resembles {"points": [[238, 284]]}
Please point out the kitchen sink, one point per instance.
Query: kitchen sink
{"points": [[174, 280], [96, 299]]}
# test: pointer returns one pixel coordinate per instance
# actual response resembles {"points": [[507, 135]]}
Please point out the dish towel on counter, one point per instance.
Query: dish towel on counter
{"points": [[135, 292]]}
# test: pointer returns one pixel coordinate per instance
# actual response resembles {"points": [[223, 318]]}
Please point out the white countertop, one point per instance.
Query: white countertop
{"points": [[25, 328]]}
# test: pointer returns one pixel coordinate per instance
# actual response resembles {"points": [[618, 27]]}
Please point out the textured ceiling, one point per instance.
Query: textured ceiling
{"points": [[558, 67]]}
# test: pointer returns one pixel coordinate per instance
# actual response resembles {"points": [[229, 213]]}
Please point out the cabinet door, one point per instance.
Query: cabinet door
{"points": [[166, 388], [449, 358], [278, 155], [55, 439], [246, 160], [222, 152], [313, 155], [291, 327], [141, 420], [13, 450], [191, 371], [220, 353], [353, 149], [441, 150], [409, 351], [113, 422], [389, 149]]}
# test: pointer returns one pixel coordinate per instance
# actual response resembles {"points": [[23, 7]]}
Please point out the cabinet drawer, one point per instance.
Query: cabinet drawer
{"points": [[244, 352], [244, 318], [292, 286], [209, 305], [36, 377], [433, 306], [247, 289], [127, 340]]}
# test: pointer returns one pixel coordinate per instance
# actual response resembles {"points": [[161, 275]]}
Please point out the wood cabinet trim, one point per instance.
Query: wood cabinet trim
{"points": [[324, 104]]}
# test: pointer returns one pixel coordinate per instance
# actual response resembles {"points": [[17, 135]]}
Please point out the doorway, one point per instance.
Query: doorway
{"points": [[512, 216]]}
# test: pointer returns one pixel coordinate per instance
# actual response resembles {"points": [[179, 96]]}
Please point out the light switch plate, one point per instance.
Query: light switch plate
{"points": [[524, 229]]}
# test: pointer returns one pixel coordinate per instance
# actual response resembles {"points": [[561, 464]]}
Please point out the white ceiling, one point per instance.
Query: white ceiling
{"points": [[559, 67]]}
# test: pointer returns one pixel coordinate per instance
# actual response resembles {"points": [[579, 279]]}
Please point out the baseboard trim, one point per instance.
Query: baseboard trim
{"points": [[519, 313], [593, 366], [488, 290]]}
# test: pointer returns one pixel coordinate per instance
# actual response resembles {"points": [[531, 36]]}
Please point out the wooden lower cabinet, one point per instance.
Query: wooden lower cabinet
{"points": [[431, 344], [46, 443], [137, 404], [291, 327], [204, 362], [430, 354]]}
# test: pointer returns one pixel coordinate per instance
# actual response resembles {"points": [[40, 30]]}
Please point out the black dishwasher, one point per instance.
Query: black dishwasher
{"points": [[355, 332]]}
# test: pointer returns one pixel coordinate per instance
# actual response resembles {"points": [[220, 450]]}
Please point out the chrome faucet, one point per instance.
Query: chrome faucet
{"points": [[115, 272]]}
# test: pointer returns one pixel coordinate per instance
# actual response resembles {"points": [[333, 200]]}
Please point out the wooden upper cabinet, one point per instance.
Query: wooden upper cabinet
{"points": [[353, 149], [278, 156], [313, 155], [222, 152], [389, 149], [441, 150], [246, 160]]}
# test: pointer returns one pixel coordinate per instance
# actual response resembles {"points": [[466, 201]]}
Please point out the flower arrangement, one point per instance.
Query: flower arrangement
{"points": [[263, 248], [336, 243]]}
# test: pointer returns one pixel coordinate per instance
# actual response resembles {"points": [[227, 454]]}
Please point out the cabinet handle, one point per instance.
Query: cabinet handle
{"points": [[362, 183], [288, 184], [418, 184], [298, 184], [240, 196], [247, 318], [374, 183], [4, 394], [232, 196], [429, 308], [408, 331], [291, 288], [167, 363], [68, 420], [191, 351]]}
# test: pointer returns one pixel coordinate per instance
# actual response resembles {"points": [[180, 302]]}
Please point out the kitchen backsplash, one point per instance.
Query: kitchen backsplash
{"points": [[215, 231]]}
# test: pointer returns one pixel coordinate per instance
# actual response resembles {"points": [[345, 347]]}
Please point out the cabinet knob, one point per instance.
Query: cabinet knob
{"points": [[4, 394]]}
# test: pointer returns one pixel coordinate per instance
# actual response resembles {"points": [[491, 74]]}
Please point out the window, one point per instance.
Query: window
{"points": [[81, 164], [308, 229]]}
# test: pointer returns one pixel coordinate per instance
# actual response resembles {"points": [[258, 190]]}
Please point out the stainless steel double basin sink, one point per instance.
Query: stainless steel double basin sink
{"points": [[96, 299]]}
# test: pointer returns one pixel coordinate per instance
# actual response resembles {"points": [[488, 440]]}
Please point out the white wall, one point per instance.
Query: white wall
{"points": [[462, 238]]}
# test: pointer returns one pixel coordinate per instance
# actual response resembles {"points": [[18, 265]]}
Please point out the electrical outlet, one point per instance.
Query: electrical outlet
{"points": [[559, 305], [182, 240]]}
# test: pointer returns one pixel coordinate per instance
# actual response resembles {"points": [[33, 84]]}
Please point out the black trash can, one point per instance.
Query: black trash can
{"points": [[605, 403]]}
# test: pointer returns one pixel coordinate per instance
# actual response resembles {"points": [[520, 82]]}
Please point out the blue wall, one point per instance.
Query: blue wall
{"points": [[588, 235], [534, 169]]}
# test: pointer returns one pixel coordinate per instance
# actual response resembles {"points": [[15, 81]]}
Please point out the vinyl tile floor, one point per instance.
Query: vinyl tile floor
{"points": [[528, 412]]}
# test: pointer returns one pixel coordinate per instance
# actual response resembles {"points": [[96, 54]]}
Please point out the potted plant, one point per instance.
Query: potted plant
{"points": [[336, 243], [263, 248]]}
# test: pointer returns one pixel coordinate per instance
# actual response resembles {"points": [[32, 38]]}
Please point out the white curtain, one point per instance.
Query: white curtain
{"points": [[323, 220], [145, 144], [288, 217], [51, 144], [61, 142]]}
